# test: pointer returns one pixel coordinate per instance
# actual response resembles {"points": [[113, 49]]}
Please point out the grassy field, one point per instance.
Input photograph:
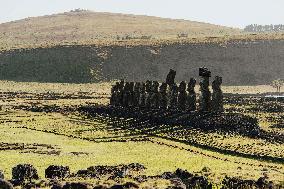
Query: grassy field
{"points": [[40, 125]]}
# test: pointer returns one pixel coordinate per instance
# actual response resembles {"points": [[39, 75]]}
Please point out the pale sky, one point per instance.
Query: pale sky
{"points": [[234, 13]]}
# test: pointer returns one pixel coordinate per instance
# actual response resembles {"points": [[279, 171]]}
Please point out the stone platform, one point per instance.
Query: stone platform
{"points": [[208, 121]]}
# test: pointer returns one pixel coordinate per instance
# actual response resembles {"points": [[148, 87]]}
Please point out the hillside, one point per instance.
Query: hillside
{"points": [[81, 47], [85, 27], [239, 62]]}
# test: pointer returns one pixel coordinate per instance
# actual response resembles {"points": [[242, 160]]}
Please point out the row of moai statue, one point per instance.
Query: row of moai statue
{"points": [[169, 95]]}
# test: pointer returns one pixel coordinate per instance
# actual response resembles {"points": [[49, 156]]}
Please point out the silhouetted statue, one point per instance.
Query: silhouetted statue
{"points": [[217, 96], [205, 96], [126, 94], [155, 95], [142, 96], [171, 77], [131, 94], [148, 94], [182, 96], [173, 95], [163, 98], [120, 93], [114, 94], [191, 95], [136, 94]]}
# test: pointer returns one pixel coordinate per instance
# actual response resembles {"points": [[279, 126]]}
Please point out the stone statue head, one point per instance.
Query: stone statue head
{"points": [[216, 84], [204, 72], [155, 86], [171, 77], [127, 86], [148, 86], [137, 86], [131, 86], [115, 87], [174, 88], [121, 84], [191, 84], [142, 87], [182, 86], [163, 88]]}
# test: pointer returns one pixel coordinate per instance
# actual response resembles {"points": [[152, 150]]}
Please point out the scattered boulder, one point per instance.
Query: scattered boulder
{"points": [[206, 169], [119, 171], [168, 175], [270, 185], [140, 178], [236, 183], [56, 186], [57, 171], [127, 185], [184, 179], [117, 175], [76, 185], [29, 185], [130, 185], [86, 173], [102, 170], [117, 186], [2, 174], [24, 172], [16, 182], [262, 182], [134, 167], [183, 174], [5, 184], [100, 187], [177, 184], [42, 184], [199, 182]]}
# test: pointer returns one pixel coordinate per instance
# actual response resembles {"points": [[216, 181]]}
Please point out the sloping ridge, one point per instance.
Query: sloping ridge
{"points": [[86, 26]]}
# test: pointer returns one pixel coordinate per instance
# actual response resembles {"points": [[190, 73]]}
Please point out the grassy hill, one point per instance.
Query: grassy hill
{"points": [[84, 27]]}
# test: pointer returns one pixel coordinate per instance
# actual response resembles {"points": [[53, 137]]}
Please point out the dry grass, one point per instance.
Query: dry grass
{"points": [[105, 29], [87, 27]]}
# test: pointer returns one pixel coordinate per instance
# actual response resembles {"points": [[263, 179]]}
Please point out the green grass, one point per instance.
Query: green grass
{"points": [[70, 132]]}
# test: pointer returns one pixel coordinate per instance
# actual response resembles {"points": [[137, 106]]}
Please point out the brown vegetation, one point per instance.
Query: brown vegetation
{"points": [[86, 27]]}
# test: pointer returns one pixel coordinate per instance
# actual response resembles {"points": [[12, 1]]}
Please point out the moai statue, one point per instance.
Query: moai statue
{"points": [[191, 95], [136, 94], [155, 95], [205, 96], [131, 94], [142, 96], [217, 96], [114, 94], [148, 94], [126, 95], [170, 80], [182, 96], [173, 95], [163, 98], [120, 93]]}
